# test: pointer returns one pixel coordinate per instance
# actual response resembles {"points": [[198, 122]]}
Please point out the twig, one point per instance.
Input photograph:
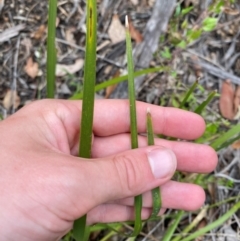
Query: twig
{"points": [[232, 47], [227, 177], [82, 20], [75, 7], [141, 233], [14, 83], [218, 72], [232, 163], [11, 32], [227, 23], [24, 19], [83, 49], [153, 230]]}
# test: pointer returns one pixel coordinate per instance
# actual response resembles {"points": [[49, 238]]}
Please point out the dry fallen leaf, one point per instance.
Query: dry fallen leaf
{"points": [[116, 31], [40, 32], [11, 32], [62, 69], [231, 11], [236, 100], [135, 34], [197, 68], [135, 2], [1, 5], [111, 88], [31, 68], [26, 42], [57, 21], [151, 2], [11, 99], [236, 145], [203, 223], [70, 36], [226, 100]]}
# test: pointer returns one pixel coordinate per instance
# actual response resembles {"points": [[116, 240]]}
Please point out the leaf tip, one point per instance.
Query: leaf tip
{"points": [[126, 22]]}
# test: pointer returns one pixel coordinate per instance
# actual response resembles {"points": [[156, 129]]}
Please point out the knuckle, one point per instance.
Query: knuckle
{"points": [[127, 172]]}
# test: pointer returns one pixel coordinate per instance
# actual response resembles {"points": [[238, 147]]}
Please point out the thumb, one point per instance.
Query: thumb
{"points": [[127, 174]]}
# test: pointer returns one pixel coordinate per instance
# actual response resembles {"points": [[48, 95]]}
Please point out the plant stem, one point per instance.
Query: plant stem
{"points": [[170, 231], [133, 120], [204, 104], [156, 194], [79, 227], [120, 79], [187, 95], [51, 49]]}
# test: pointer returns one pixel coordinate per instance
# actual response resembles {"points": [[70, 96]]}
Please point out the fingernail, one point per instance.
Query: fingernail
{"points": [[163, 162]]}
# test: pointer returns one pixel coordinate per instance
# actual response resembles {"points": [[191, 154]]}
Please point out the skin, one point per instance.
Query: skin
{"points": [[45, 186]]}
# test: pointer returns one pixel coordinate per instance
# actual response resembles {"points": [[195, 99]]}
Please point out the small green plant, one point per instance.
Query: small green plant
{"points": [[183, 33]]}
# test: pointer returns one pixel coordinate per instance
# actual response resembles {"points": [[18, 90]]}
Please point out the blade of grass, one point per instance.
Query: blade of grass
{"points": [[170, 231], [51, 49], [228, 143], [192, 225], [111, 233], [88, 101], [156, 193], [183, 102], [133, 120], [225, 137], [120, 79], [187, 95], [202, 106], [214, 224]]}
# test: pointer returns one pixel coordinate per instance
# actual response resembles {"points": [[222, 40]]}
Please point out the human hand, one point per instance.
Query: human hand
{"points": [[45, 187]]}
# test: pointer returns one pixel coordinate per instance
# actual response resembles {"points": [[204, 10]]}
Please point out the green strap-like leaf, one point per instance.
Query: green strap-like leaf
{"points": [[133, 120], [120, 79], [170, 231], [202, 106], [51, 49], [88, 101], [187, 95], [156, 193], [234, 131]]}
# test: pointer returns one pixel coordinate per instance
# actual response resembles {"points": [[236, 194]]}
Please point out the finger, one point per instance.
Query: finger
{"points": [[191, 157], [112, 117], [124, 175], [108, 213], [174, 195]]}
